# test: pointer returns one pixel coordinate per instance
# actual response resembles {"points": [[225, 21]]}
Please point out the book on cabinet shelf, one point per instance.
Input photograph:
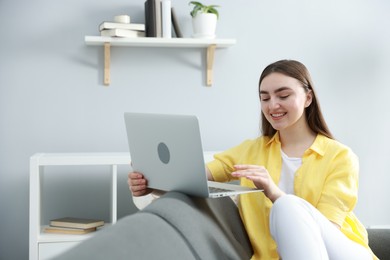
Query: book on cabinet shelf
{"points": [[81, 223], [65, 230], [122, 33]]}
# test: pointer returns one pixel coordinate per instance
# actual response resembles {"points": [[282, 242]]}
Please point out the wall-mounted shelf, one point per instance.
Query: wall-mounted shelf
{"points": [[210, 44]]}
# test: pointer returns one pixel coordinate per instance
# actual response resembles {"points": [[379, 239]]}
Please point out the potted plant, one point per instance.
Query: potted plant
{"points": [[204, 19]]}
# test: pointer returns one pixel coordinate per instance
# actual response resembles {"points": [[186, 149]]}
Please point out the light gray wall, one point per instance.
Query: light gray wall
{"points": [[52, 98]]}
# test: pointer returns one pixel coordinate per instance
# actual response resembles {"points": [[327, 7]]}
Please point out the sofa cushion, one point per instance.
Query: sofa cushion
{"points": [[212, 227], [138, 236], [379, 241]]}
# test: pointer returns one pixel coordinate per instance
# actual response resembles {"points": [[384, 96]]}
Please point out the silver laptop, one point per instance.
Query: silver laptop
{"points": [[167, 150]]}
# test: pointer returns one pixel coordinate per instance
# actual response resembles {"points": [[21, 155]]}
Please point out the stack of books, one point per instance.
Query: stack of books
{"points": [[70, 225], [117, 29], [159, 19]]}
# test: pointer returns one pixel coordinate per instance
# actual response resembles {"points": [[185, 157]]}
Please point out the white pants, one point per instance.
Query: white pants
{"points": [[302, 232]]}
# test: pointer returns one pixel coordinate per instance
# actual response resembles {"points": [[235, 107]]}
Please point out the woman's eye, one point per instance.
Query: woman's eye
{"points": [[264, 99], [284, 97]]}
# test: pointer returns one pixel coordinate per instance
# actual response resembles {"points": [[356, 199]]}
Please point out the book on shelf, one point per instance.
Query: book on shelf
{"points": [[81, 223], [157, 4], [150, 18], [160, 19], [64, 230], [128, 26], [122, 33], [175, 24], [166, 20]]}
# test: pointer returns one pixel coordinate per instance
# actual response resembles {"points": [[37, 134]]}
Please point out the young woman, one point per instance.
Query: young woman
{"points": [[310, 181]]}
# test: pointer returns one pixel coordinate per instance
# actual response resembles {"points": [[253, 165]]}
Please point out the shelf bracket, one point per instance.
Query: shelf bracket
{"points": [[210, 62], [107, 55]]}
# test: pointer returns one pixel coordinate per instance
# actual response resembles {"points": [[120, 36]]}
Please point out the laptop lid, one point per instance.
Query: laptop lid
{"points": [[167, 149]]}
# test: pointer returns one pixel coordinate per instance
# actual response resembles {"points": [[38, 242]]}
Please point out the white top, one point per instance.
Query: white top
{"points": [[289, 166]]}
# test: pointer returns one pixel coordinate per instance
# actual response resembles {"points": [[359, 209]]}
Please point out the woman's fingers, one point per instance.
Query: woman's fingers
{"points": [[249, 170], [135, 175], [137, 184], [261, 179], [258, 174], [247, 166]]}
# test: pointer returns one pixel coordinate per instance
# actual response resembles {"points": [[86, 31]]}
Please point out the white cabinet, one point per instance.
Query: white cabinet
{"points": [[47, 245], [50, 250], [210, 44], [43, 245]]}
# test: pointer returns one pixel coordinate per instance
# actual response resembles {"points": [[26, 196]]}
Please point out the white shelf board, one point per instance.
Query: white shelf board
{"points": [[159, 42], [81, 158]]}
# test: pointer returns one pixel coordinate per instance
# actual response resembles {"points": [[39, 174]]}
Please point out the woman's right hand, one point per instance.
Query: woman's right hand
{"points": [[261, 178], [138, 185]]}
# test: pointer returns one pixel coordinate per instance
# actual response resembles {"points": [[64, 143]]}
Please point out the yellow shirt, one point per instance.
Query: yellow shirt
{"points": [[327, 178]]}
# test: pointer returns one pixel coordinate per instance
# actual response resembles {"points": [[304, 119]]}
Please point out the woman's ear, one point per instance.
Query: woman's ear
{"points": [[309, 98]]}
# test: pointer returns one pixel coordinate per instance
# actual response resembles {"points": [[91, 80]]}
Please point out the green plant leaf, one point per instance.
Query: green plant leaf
{"points": [[214, 11], [195, 3], [200, 8]]}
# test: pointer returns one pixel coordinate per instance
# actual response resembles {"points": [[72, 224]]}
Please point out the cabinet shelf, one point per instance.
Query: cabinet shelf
{"points": [[210, 44], [46, 245]]}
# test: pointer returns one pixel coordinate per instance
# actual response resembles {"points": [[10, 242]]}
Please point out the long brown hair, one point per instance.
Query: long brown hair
{"points": [[297, 70]]}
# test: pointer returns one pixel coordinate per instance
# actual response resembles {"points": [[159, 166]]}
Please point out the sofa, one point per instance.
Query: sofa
{"points": [[177, 226]]}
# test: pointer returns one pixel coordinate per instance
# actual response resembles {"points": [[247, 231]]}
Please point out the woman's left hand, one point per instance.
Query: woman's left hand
{"points": [[260, 177]]}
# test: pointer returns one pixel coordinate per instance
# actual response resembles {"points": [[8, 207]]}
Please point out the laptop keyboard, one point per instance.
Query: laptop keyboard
{"points": [[218, 190]]}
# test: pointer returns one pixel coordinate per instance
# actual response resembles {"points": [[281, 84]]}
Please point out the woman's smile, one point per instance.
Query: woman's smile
{"points": [[277, 116]]}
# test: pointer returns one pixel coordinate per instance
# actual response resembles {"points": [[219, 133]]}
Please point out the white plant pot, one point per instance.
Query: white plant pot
{"points": [[204, 25]]}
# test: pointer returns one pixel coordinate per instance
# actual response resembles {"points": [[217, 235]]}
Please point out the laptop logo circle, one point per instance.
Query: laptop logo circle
{"points": [[163, 153]]}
